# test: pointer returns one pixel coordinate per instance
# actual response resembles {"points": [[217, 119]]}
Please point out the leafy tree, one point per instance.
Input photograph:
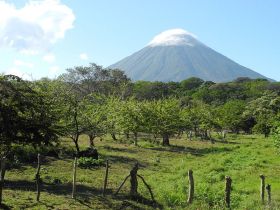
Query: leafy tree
{"points": [[94, 78], [79, 85], [26, 116], [231, 115], [113, 114], [69, 109], [144, 90], [191, 83], [131, 117], [264, 110], [163, 118], [93, 117]]}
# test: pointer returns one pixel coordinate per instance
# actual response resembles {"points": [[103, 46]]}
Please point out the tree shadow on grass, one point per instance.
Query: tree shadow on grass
{"points": [[224, 141], [84, 194], [125, 160], [192, 151], [33, 163], [5, 207], [128, 202], [116, 149], [58, 189]]}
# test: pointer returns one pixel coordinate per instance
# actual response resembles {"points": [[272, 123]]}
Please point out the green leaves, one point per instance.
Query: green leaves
{"points": [[26, 116]]}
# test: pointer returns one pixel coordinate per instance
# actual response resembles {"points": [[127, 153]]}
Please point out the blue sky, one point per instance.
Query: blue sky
{"points": [[43, 38]]}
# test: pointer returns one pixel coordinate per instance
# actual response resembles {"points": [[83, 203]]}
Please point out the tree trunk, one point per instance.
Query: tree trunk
{"points": [[196, 131], [114, 136], [76, 144], [224, 135], [77, 133], [133, 181], [135, 139], [190, 135], [91, 138], [165, 140], [266, 133], [155, 138], [206, 134]]}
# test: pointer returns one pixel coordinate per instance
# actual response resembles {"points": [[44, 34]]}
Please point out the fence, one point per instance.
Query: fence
{"points": [[133, 175]]}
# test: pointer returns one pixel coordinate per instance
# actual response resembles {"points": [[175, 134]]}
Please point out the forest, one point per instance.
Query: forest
{"points": [[87, 106]]}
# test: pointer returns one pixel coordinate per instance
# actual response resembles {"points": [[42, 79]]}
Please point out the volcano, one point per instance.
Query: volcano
{"points": [[175, 55]]}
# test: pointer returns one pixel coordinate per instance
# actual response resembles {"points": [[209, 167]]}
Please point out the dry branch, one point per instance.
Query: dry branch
{"points": [[149, 188], [122, 184]]}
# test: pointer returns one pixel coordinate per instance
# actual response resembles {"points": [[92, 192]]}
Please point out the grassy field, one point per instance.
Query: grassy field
{"points": [[243, 158]]}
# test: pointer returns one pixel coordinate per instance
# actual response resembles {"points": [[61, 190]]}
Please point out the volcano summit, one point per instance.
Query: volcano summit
{"points": [[175, 55]]}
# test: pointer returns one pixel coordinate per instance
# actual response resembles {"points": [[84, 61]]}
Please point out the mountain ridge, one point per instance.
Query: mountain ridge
{"points": [[175, 55]]}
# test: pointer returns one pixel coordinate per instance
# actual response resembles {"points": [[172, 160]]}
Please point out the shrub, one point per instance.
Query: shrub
{"points": [[88, 162]]}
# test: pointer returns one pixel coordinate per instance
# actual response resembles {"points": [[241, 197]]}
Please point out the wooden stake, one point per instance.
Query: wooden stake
{"points": [[120, 187], [191, 186], [149, 188], [2, 177], [106, 177], [262, 189], [74, 178], [268, 188], [133, 181], [227, 191], [38, 179]]}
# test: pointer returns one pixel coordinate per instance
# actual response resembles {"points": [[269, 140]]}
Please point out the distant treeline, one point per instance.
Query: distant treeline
{"points": [[96, 101]]}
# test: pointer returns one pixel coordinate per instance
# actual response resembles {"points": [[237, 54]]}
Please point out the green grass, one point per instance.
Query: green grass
{"points": [[243, 158]]}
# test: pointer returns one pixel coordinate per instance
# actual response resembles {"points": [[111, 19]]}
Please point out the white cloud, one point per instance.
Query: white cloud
{"points": [[83, 56], [34, 27], [50, 58], [23, 64], [174, 37]]}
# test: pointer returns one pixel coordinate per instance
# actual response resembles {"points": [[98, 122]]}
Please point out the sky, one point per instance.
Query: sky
{"points": [[44, 38]]}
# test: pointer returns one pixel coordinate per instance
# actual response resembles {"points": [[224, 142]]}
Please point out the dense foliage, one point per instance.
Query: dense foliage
{"points": [[26, 114], [95, 101]]}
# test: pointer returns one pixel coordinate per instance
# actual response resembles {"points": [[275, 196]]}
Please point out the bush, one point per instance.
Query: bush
{"points": [[88, 162]]}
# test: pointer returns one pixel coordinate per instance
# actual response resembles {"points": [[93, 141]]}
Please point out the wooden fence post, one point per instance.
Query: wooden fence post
{"points": [[133, 181], [106, 177], [2, 177], [268, 188], [227, 191], [262, 189], [38, 179], [191, 186], [74, 178]]}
